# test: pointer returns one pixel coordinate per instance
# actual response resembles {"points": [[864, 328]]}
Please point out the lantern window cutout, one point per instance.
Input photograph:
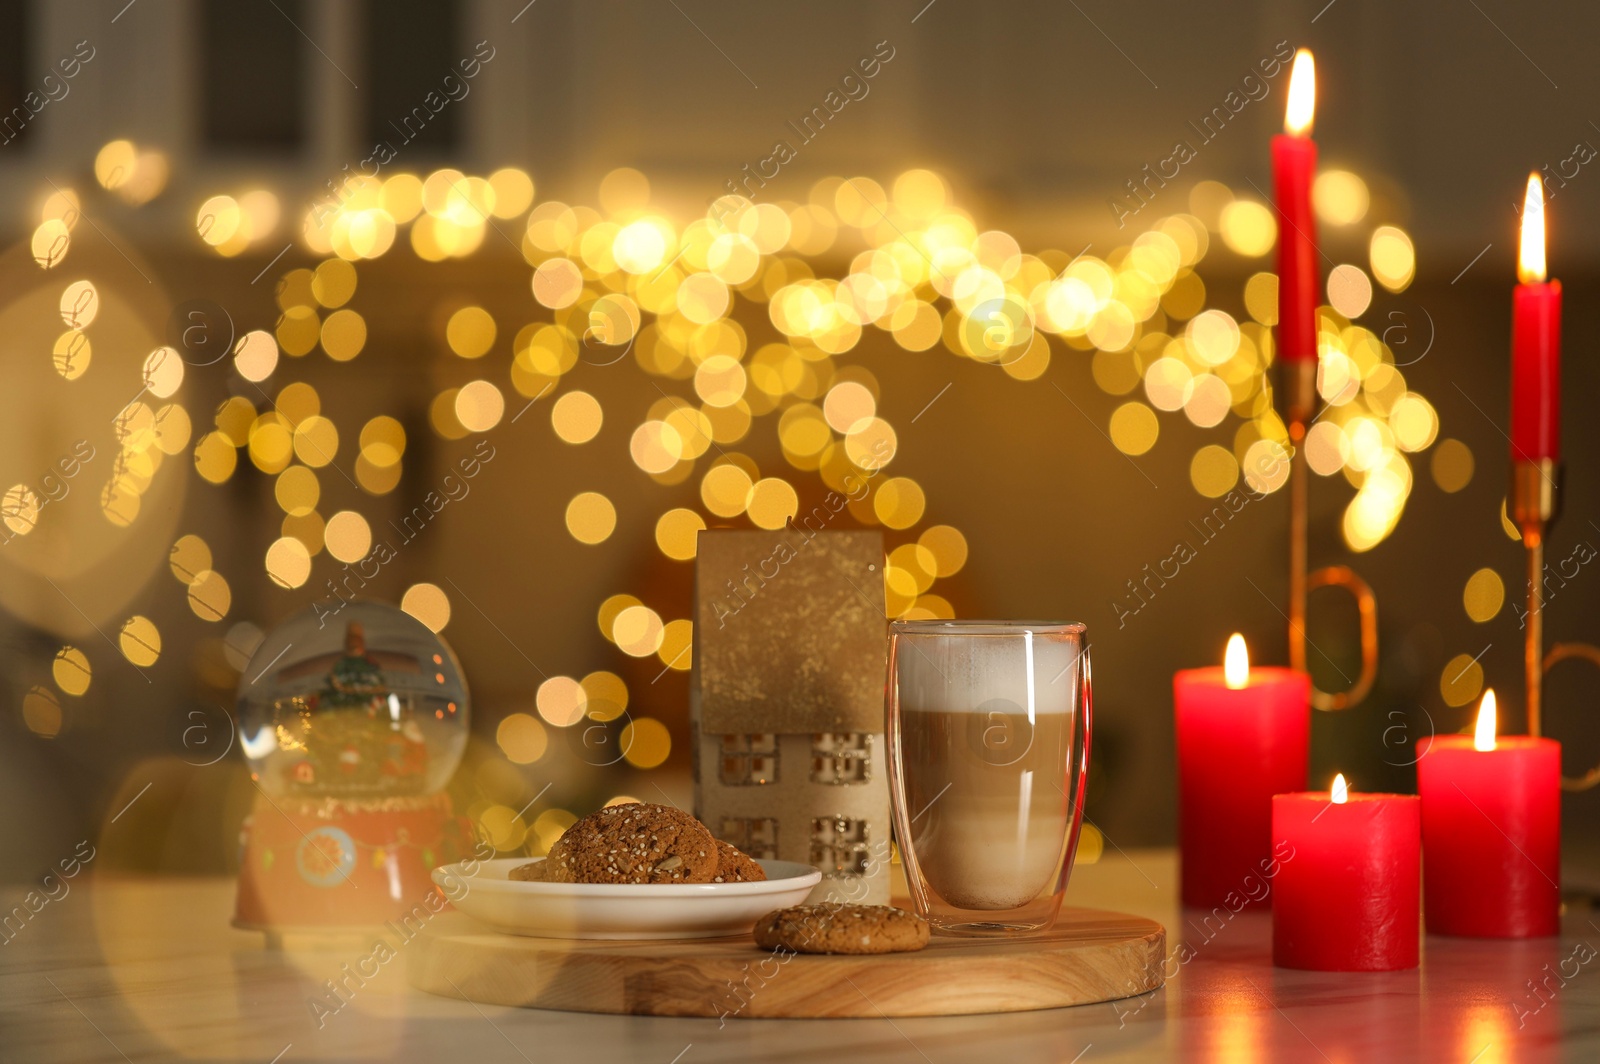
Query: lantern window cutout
{"points": [[841, 758], [756, 836], [839, 846], [748, 760]]}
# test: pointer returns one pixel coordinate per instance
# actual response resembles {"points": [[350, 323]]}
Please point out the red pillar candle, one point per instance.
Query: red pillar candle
{"points": [[1243, 735], [1535, 342], [1491, 833], [1294, 166], [1347, 892]]}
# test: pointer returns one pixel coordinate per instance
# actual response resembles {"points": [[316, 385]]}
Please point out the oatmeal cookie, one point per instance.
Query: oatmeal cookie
{"points": [[533, 872], [734, 866], [635, 843]]}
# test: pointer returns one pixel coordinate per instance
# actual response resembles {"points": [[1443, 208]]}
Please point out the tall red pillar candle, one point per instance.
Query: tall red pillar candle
{"points": [[1239, 743], [1294, 167], [1347, 893], [1491, 833], [1535, 342]]}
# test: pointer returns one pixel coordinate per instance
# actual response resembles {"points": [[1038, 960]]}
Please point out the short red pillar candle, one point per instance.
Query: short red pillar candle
{"points": [[1535, 342], [1239, 743], [1491, 833], [1294, 167], [1346, 897]]}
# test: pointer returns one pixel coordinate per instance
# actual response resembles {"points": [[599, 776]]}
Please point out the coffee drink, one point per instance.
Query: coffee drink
{"points": [[988, 736], [991, 784]]}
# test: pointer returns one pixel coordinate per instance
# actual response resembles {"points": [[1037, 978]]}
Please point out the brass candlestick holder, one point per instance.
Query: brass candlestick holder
{"points": [[1300, 391], [1535, 504]]}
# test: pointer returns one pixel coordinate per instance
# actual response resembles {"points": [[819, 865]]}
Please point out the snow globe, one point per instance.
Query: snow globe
{"points": [[352, 721]]}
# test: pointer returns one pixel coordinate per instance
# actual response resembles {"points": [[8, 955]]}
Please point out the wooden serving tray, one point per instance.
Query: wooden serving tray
{"points": [[1089, 956]]}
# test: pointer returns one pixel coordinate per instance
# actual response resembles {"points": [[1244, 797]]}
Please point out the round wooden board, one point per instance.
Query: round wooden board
{"points": [[1089, 956]]}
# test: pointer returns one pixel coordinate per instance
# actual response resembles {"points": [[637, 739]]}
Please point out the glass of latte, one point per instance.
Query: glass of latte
{"points": [[988, 729]]}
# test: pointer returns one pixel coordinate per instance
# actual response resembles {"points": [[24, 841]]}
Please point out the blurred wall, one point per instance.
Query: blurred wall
{"points": [[1040, 112]]}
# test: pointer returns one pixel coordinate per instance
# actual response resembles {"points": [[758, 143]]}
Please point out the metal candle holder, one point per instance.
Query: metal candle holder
{"points": [[1300, 390], [1535, 504]]}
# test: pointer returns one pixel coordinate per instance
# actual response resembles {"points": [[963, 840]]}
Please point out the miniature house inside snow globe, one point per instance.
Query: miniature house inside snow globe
{"points": [[352, 722]]}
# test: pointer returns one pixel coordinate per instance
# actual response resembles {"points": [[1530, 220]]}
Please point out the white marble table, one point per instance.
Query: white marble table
{"points": [[145, 970]]}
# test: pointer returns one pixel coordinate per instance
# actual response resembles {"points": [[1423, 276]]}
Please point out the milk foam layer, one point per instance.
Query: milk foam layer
{"points": [[975, 673]]}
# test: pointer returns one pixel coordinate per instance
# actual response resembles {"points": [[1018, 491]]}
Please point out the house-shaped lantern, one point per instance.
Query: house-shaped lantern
{"points": [[786, 702]]}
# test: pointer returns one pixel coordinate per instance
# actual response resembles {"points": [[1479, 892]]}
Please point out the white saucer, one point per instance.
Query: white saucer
{"points": [[621, 910]]}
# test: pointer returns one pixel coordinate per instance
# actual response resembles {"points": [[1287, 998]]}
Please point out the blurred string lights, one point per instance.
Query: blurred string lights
{"points": [[626, 281]]}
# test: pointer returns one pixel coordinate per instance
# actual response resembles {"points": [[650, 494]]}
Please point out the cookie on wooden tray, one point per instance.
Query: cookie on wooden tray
{"points": [[842, 929], [734, 866], [635, 843]]}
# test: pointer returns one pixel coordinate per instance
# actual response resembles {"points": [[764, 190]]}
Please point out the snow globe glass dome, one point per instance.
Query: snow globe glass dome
{"points": [[365, 702]]}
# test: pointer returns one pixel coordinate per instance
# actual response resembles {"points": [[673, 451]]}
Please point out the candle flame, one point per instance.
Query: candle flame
{"points": [[1483, 738], [1236, 663], [1530, 258], [1302, 105], [1341, 790]]}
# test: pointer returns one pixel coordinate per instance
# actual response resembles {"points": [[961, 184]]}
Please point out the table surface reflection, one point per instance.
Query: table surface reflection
{"points": [[138, 970]]}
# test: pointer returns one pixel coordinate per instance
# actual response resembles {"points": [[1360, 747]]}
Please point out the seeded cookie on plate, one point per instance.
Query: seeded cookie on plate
{"points": [[545, 871], [734, 866], [634, 843]]}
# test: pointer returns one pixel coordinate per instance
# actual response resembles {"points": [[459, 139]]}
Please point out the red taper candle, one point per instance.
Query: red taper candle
{"points": [[1535, 342], [1491, 833], [1243, 735], [1294, 166], [1348, 891]]}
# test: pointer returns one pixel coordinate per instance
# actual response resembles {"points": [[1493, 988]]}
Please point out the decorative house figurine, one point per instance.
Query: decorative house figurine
{"points": [[786, 702]]}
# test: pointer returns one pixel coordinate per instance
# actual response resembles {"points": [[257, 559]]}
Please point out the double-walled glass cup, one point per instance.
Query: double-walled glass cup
{"points": [[988, 727]]}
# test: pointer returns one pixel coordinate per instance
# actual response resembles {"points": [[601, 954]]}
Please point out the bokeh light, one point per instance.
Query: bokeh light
{"points": [[1248, 228], [677, 533], [1461, 680], [1452, 465], [210, 597], [771, 503], [1349, 290], [71, 671], [576, 417], [1483, 596], [427, 603], [41, 712], [645, 742], [1394, 260], [1134, 428], [1340, 197], [347, 536], [591, 518], [638, 631], [288, 562], [521, 738], [561, 701], [479, 406], [470, 332], [140, 641], [606, 695]]}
